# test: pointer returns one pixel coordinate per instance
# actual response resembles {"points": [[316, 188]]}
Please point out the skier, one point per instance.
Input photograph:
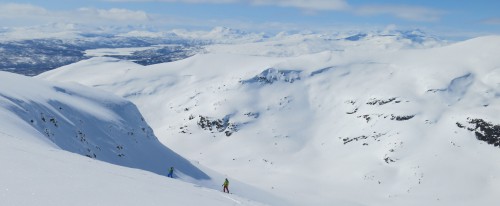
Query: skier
{"points": [[226, 184], [170, 172]]}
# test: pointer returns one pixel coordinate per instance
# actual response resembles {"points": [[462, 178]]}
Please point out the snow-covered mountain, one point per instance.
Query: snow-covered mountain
{"points": [[33, 50], [366, 120], [42, 122]]}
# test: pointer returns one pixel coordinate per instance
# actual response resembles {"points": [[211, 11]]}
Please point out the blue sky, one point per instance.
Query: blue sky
{"points": [[454, 18]]}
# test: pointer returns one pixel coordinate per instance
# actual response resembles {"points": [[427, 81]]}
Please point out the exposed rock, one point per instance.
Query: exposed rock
{"points": [[253, 114], [484, 131], [368, 117], [354, 111], [218, 125], [271, 75], [376, 136], [374, 101], [402, 118]]}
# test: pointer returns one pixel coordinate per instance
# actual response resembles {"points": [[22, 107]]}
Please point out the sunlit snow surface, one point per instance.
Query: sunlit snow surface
{"points": [[33, 174], [367, 122], [42, 122]]}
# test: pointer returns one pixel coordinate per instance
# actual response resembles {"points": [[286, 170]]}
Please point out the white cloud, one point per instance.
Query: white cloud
{"points": [[306, 4], [413, 13], [26, 14], [12, 10], [115, 14], [301, 4]]}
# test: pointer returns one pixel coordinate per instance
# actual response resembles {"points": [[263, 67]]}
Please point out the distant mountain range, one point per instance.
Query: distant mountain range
{"points": [[32, 57], [55, 45]]}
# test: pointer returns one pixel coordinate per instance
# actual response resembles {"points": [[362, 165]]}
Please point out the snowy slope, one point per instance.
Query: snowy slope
{"points": [[374, 121], [34, 174], [90, 123], [42, 122]]}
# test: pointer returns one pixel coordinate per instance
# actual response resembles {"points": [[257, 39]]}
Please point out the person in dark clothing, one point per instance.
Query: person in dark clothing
{"points": [[171, 172]]}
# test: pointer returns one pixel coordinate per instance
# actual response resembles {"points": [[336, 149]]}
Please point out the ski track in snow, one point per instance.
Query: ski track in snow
{"points": [[236, 201]]}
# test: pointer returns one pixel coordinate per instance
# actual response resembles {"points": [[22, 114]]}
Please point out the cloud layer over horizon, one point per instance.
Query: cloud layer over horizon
{"points": [[256, 14]]}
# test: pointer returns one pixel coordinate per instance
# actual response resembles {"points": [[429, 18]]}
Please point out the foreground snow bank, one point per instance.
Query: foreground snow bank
{"points": [[34, 174]]}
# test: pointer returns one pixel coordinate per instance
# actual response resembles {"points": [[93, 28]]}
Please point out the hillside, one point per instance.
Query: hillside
{"points": [[34, 174], [375, 121], [87, 122], [57, 140]]}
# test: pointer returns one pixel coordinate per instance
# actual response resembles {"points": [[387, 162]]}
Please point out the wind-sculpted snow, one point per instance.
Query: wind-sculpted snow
{"points": [[367, 122], [457, 88], [320, 71]]}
